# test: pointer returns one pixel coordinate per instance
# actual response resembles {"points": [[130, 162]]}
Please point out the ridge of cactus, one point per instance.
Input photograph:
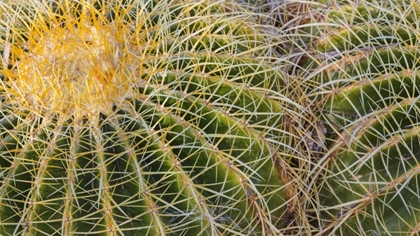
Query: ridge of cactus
{"points": [[143, 118], [361, 71]]}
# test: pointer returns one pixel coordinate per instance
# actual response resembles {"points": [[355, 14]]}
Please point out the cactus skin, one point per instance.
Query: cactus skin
{"points": [[364, 72], [140, 118]]}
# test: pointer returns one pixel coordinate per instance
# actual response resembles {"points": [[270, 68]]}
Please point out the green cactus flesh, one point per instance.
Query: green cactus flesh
{"points": [[153, 118], [364, 71]]}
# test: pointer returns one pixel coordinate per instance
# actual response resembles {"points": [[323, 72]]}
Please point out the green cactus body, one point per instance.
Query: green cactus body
{"points": [[140, 118], [364, 73]]}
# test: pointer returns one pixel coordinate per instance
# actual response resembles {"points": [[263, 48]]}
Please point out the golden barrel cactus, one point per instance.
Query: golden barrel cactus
{"points": [[141, 118], [362, 71]]}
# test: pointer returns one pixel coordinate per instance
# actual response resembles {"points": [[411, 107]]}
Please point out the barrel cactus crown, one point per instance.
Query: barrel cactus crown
{"points": [[140, 118], [363, 70]]}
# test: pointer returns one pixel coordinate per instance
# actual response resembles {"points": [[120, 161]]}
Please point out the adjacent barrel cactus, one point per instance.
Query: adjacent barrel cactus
{"points": [[363, 70], [141, 118]]}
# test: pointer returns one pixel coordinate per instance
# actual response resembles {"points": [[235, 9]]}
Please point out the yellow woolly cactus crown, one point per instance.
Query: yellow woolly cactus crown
{"points": [[75, 68]]}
